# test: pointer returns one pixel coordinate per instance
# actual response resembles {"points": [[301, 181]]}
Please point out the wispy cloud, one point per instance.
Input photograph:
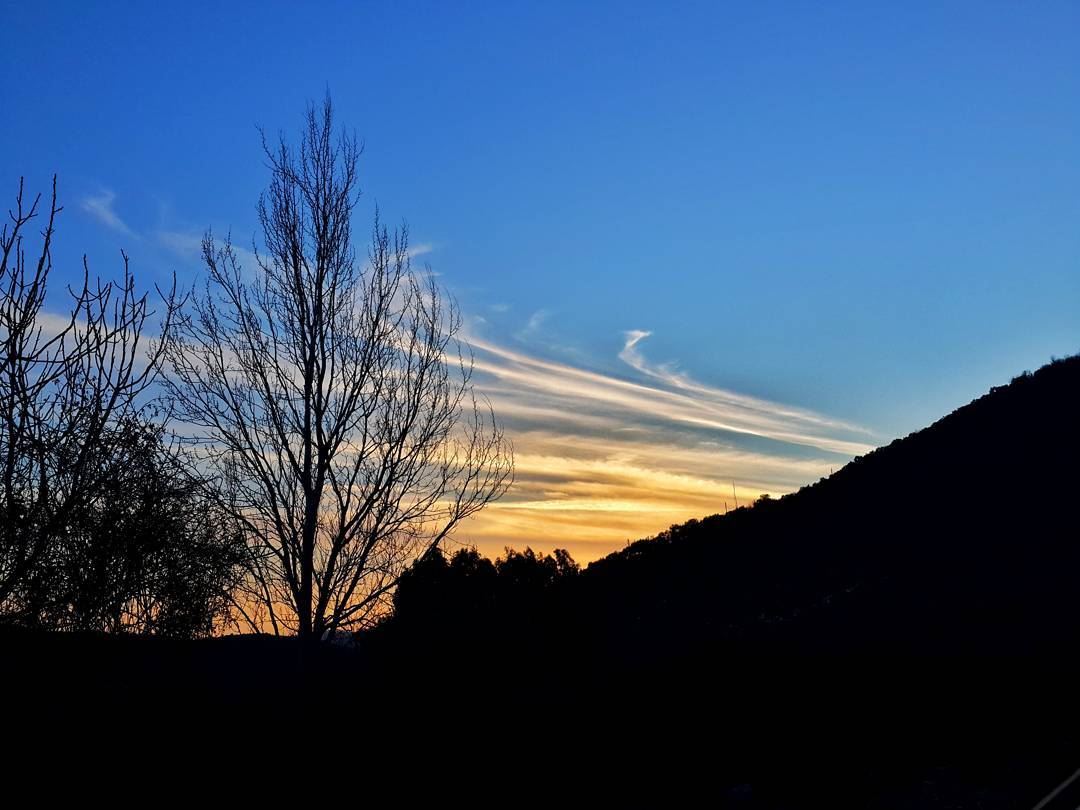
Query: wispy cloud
{"points": [[536, 320], [685, 403], [601, 459], [629, 353], [188, 245], [100, 207], [724, 400], [533, 325]]}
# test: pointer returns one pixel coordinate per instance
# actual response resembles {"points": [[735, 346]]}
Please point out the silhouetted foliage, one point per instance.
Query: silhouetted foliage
{"points": [[455, 590], [100, 526], [448, 605], [148, 554], [469, 584]]}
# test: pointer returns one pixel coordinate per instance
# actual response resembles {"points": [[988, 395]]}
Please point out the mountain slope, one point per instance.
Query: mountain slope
{"points": [[960, 538]]}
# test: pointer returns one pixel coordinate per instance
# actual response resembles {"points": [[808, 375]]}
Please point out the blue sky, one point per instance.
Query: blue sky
{"points": [[869, 213]]}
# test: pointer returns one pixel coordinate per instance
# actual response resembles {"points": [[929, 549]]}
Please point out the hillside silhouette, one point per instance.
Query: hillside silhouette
{"points": [[900, 634], [958, 540]]}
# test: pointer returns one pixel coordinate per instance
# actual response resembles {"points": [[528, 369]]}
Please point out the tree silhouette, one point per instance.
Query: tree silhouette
{"points": [[334, 399], [468, 606], [150, 554], [67, 384]]}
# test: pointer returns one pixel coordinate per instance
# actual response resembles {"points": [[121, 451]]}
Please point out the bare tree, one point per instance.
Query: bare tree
{"points": [[66, 381], [333, 398]]}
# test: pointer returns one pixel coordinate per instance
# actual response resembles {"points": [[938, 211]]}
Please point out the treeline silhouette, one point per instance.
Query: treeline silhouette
{"points": [[467, 607]]}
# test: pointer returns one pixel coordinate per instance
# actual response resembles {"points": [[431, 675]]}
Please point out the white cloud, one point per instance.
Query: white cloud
{"points": [[188, 245], [533, 325], [536, 320], [422, 249], [100, 207], [667, 375], [675, 401], [629, 353]]}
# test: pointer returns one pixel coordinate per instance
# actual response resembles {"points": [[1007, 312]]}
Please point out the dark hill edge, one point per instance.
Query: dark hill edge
{"points": [[958, 540], [900, 634]]}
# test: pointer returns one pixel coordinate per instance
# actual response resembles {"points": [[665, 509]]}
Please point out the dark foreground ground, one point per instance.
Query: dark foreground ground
{"points": [[762, 733], [902, 634]]}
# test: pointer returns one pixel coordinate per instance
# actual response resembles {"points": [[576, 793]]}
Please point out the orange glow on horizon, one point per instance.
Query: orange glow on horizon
{"points": [[602, 459], [610, 494]]}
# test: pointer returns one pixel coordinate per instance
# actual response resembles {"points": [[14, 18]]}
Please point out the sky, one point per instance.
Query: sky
{"points": [[704, 251]]}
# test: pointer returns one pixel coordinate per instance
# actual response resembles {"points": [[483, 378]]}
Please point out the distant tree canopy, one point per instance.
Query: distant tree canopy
{"points": [[100, 527], [147, 554], [469, 594]]}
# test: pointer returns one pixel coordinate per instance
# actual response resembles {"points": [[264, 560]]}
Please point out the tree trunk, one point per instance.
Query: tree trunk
{"points": [[305, 629]]}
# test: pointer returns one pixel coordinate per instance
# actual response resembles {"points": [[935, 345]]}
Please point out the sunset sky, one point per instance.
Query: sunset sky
{"points": [[704, 251]]}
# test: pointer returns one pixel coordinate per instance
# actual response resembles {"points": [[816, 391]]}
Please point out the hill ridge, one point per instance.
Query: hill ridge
{"points": [[912, 511]]}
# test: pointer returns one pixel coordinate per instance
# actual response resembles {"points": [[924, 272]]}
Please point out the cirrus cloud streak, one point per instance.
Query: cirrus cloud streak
{"points": [[603, 459]]}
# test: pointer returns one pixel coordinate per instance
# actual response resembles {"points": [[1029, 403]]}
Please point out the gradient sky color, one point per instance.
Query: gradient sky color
{"points": [[696, 243]]}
